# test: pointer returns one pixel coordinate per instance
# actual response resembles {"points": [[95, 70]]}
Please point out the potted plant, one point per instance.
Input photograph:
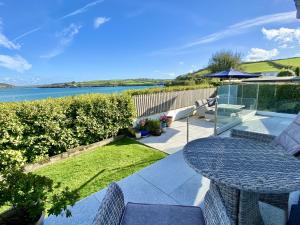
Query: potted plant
{"points": [[30, 195], [142, 127], [138, 134], [154, 126], [135, 132], [169, 121], [164, 123]]}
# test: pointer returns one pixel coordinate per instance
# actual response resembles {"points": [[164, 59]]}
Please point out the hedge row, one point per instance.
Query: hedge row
{"points": [[49, 127], [281, 98], [169, 89]]}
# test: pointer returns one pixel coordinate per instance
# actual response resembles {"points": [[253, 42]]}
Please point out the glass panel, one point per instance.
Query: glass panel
{"points": [[233, 107]]}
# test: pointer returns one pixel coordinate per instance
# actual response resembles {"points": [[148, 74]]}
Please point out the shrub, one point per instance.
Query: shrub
{"points": [[283, 98], [168, 89], [28, 193], [11, 160], [49, 127], [297, 71], [286, 73], [153, 125], [224, 60]]}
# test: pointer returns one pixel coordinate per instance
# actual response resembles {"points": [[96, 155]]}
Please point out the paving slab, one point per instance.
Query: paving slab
{"points": [[168, 174], [192, 192], [139, 190], [176, 136], [83, 213]]}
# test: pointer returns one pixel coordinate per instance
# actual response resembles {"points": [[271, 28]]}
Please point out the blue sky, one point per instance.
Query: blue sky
{"points": [[62, 40]]}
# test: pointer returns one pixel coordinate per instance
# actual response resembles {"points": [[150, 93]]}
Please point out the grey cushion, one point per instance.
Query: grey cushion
{"points": [[272, 215], [111, 208], [290, 137], [145, 214]]}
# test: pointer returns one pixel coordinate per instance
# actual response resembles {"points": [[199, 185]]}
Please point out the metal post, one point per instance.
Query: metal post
{"points": [[216, 117], [257, 96], [187, 129]]}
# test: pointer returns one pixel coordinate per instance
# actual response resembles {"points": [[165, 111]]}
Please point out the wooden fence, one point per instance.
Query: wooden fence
{"points": [[150, 104]]}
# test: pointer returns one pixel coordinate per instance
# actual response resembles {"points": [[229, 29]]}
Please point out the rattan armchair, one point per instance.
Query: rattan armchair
{"points": [[113, 211]]}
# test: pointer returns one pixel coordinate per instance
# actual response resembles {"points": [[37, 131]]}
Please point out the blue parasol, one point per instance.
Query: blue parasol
{"points": [[232, 73]]}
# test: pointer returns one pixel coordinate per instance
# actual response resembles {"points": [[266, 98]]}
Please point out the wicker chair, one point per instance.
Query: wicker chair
{"points": [[204, 110], [113, 211], [289, 139]]}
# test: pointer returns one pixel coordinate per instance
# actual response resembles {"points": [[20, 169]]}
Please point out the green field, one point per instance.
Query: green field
{"points": [[109, 83], [251, 67], [270, 66]]}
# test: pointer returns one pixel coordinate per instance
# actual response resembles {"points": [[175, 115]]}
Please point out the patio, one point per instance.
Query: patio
{"points": [[171, 180]]}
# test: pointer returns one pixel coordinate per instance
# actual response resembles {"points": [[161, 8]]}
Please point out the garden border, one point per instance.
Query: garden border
{"points": [[71, 153]]}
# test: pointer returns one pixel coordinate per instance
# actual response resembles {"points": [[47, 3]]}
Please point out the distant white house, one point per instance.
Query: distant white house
{"points": [[270, 74]]}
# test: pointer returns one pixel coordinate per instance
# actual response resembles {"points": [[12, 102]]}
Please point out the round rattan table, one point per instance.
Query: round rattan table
{"points": [[244, 170]]}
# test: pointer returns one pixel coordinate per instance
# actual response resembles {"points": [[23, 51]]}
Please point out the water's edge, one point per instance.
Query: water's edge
{"points": [[17, 94]]}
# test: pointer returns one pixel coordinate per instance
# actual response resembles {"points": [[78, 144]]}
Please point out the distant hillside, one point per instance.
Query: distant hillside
{"points": [[270, 66], [251, 67], [108, 83], [2, 85]]}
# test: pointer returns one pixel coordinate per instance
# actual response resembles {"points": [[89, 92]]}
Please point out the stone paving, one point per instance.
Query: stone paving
{"points": [[176, 136], [171, 180]]}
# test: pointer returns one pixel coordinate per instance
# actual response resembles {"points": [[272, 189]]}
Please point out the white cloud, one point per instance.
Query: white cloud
{"points": [[65, 39], [16, 63], [5, 42], [28, 33], [235, 29], [100, 21], [245, 25], [82, 10], [285, 37], [181, 63], [258, 54]]}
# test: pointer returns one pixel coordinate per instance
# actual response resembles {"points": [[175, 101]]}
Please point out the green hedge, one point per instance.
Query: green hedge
{"points": [[168, 89], [49, 127], [281, 98]]}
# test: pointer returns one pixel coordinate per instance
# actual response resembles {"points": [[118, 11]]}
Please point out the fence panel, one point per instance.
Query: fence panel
{"points": [[149, 104]]}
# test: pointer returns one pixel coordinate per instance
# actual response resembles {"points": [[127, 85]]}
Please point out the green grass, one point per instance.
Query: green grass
{"points": [[258, 67], [270, 66], [92, 171]]}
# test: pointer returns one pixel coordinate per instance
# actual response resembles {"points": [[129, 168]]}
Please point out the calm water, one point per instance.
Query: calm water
{"points": [[27, 94]]}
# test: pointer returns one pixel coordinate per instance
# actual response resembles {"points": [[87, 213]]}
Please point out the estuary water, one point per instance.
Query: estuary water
{"points": [[29, 93]]}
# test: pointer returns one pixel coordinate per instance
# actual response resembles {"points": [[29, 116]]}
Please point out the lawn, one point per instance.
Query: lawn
{"points": [[94, 170]]}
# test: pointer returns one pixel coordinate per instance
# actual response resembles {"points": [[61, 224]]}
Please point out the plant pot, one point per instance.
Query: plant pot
{"points": [[18, 217], [169, 121], [164, 129], [145, 133], [138, 135], [156, 132], [164, 124]]}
